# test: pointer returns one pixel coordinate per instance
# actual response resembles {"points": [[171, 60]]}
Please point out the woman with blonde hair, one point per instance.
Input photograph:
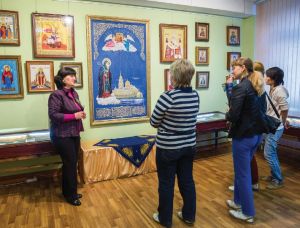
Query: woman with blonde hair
{"points": [[244, 112], [257, 80]]}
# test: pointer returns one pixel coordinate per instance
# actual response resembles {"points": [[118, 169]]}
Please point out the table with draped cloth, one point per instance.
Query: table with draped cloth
{"points": [[105, 162]]}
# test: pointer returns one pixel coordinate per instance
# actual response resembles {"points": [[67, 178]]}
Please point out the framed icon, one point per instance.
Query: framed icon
{"points": [[11, 84], [232, 56], [40, 76], [119, 70], [201, 31], [202, 55], [9, 28], [77, 66], [233, 35], [173, 42], [202, 79], [53, 35]]}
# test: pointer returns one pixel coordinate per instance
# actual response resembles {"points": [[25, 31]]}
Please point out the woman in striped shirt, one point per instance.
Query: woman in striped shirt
{"points": [[175, 116]]}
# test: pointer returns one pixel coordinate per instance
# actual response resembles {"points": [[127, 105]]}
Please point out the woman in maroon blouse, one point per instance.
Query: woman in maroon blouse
{"points": [[66, 114]]}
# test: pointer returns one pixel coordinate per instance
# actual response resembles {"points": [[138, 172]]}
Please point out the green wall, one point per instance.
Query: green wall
{"points": [[30, 113], [248, 37]]}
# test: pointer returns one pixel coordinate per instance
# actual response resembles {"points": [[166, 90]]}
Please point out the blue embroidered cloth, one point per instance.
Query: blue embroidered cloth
{"points": [[135, 149]]}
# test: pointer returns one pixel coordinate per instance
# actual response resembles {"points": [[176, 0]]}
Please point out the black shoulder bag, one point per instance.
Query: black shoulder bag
{"points": [[269, 123]]}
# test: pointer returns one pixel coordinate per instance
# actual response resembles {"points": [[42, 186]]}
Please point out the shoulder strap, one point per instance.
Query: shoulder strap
{"points": [[273, 106]]}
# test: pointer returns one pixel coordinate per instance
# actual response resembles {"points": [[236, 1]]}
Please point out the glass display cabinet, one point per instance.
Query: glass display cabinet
{"points": [[211, 122], [294, 129], [26, 152]]}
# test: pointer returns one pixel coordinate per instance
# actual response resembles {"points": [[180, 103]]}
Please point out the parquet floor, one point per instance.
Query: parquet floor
{"points": [[130, 202]]}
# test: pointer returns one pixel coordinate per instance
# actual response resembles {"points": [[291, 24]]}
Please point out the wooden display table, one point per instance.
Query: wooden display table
{"points": [[211, 122], [104, 163]]}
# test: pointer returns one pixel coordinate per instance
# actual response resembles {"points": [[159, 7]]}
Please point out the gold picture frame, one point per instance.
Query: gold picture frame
{"points": [[202, 79], [9, 28], [53, 35], [11, 77], [202, 55], [118, 60], [233, 35], [172, 42], [202, 31], [40, 76]]}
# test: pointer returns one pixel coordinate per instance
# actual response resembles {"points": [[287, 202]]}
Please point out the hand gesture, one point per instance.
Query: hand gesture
{"points": [[287, 124], [80, 115]]}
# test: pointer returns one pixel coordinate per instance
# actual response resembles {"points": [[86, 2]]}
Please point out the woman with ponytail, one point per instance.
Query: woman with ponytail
{"points": [[245, 106]]}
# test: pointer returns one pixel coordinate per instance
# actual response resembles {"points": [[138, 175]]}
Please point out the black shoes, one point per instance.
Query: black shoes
{"points": [[74, 202]]}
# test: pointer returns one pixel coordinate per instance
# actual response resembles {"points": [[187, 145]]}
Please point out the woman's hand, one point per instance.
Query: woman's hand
{"points": [[229, 79], [287, 124], [80, 115]]}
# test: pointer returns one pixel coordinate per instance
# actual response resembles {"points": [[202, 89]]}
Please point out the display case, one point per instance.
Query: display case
{"points": [[294, 129], [27, 152], [211, 122], [16, 144]]}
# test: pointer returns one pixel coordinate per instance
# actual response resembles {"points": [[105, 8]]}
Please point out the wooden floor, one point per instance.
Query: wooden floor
{"points": [[130, 202]]}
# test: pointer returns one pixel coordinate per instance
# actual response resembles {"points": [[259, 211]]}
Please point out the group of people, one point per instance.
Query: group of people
{"points": [[175, 116]]}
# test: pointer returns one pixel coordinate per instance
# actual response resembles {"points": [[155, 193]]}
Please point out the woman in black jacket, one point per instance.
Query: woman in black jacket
{"points": [[245, 107]]}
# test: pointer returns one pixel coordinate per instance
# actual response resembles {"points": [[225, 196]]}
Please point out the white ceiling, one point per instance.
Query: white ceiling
{"points": [[231, 8]]}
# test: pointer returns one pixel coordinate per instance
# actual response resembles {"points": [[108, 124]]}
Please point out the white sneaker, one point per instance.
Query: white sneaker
{"points": [[240, 215], [188, 222], [156, 217], [231, 188], [255, 187], [233, 205]]}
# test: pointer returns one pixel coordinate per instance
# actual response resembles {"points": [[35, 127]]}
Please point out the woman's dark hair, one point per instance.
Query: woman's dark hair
{"points": [[276, 74], [61, 74]]}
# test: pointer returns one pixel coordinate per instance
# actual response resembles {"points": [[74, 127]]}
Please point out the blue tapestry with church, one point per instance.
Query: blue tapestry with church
{"points": [[135, 149]]}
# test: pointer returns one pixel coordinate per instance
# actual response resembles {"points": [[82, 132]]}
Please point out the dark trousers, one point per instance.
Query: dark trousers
{"points": [[68, 149], [254, 170], [169, 163]]}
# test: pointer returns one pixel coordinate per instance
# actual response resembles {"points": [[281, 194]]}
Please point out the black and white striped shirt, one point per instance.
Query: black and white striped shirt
{"points": [[175, 116]]}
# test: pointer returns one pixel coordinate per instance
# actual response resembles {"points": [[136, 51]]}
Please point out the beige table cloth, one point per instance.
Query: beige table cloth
{"points": [[104, 163]]}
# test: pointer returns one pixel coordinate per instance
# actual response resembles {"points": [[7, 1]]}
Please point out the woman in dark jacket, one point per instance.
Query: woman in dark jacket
{"points": [[245, 107], [66, 114]]}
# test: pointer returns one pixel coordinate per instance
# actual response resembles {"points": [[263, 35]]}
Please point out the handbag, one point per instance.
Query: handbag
{"points": [[269, 123]]}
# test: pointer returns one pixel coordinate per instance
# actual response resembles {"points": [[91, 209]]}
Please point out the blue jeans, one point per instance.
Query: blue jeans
{"points": [[243, 150], [169, 163], [270, 153]]}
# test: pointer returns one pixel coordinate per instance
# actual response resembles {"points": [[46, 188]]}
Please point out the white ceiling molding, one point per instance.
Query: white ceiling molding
{"points": [[230, 8]]}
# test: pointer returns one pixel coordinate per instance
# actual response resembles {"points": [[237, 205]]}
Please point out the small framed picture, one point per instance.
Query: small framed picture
{"points": [[40, 77], [77, 66], [11, 85], [9, 28], [53, 35], [233, 36], [202, 79], [232, 56], [173, 42], [201, 31], [202, 55], [168, 80]]}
